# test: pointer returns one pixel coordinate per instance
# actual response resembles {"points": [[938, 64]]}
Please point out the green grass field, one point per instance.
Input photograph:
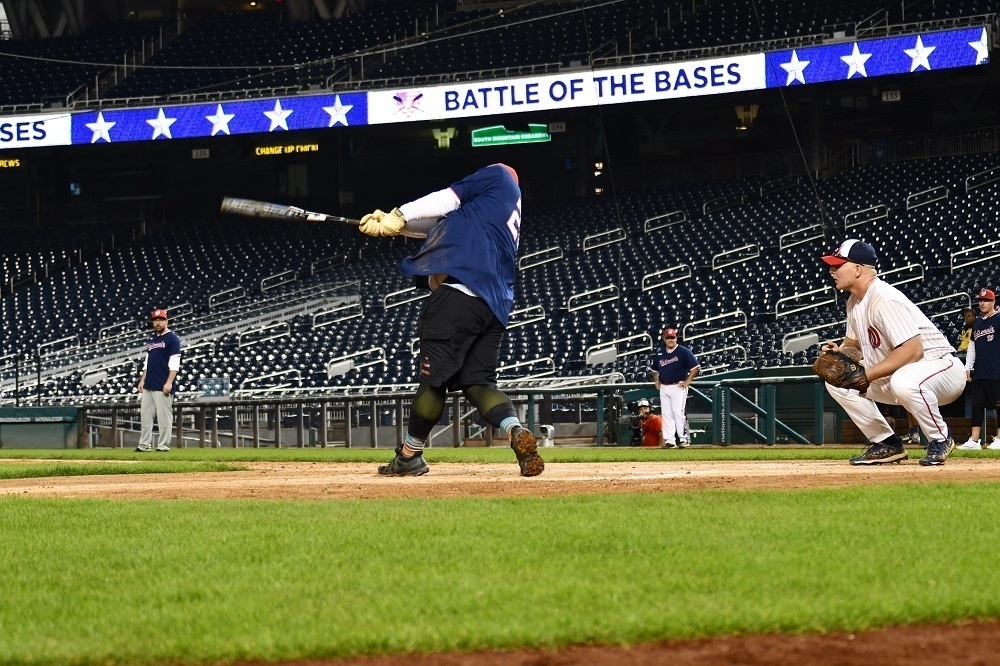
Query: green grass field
{"points": [[166, 582]]}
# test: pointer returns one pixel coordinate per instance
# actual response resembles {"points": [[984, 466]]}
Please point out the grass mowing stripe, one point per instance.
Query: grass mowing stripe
{"points": [[151, 582], [32, 471]]}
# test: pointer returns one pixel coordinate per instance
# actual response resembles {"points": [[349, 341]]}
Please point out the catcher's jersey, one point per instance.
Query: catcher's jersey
{"points": [[477, 244], [885, 319], [986, 338]]}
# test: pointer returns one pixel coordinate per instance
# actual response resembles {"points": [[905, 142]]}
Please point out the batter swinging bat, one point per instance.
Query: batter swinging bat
{"points": [[273, 211]]}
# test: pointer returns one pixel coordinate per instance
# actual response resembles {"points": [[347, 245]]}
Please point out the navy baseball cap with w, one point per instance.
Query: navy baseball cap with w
{"points": [[852, 250]]}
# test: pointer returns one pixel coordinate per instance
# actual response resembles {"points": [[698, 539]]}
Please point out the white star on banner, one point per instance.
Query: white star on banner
{"points": [[919, 54], [795, 67], [161, 125], [982, 49], [101, 128], [279, 116], [856, 62], [338, 112], [220, 121]]}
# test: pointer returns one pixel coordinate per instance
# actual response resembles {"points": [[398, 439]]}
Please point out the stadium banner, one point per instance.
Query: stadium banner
{"points": [[834, 61], [204, 121], [52, 129], [878, 57], [573, 89]]}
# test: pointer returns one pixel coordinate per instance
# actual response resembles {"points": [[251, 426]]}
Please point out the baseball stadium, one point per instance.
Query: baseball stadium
{"points": [[293, 373]]}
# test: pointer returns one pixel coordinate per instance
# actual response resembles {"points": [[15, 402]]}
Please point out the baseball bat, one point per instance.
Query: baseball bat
{"points": [[273, 211]]}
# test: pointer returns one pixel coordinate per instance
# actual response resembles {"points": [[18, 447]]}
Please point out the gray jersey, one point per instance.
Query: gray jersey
{"points": [[885, 319]]}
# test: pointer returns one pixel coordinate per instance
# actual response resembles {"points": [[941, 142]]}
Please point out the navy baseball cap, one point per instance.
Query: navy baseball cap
{"points": [[852, 250]]}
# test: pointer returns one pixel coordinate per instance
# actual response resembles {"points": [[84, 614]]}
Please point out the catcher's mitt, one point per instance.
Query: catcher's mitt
{"points": [[841, 370]]}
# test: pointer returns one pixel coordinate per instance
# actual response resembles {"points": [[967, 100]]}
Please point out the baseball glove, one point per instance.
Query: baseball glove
{"points": [[841, 370]]}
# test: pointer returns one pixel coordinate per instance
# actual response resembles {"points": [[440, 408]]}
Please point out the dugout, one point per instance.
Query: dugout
{"points": [[39, 427]]}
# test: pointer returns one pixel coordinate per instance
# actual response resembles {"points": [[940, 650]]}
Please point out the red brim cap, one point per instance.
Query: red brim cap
{"points": [[831, 260]]}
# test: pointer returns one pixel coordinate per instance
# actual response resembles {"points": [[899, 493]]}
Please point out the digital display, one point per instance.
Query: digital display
{"points": [[498, 135]]}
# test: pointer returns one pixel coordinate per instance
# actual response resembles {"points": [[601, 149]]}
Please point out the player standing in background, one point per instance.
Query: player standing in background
{"points": [[965, 333], [982, 368], [908, 361], [468, 262], [156, 386], [674, 368]]}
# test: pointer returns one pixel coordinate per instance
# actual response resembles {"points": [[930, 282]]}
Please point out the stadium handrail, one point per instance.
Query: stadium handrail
{"points": [[617, 61]]}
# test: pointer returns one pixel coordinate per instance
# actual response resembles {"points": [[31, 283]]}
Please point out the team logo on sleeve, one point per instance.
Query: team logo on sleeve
{"points": [[874, 338]]}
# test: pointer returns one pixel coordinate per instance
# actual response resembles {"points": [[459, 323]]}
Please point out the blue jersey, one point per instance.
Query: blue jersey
{"points": [[477, 243], [984, 335], [159, 350], [673, 366]]}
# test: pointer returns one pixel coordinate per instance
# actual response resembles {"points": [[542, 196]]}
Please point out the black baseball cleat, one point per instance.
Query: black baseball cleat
{"points": [[937, 452], [400, 466], [523, 443], [887, 451]]}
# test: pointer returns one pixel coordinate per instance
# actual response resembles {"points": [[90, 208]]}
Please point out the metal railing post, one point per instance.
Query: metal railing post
{"points": [[324, 414], [767, 398], [179, 427], [347, 424], [234, 426], [819, 397], [300, 426], [277, 425], [202, 418], [256, 426], [530, 416], [215, 427], [600, 418], [81, 430], [400, 428]]}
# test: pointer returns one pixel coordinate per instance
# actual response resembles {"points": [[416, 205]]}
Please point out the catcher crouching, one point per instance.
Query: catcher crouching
{"points": [[891, 353]]}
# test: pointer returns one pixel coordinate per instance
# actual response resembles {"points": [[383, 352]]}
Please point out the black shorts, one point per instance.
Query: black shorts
{"points": [[985, 395], [459, 341]]}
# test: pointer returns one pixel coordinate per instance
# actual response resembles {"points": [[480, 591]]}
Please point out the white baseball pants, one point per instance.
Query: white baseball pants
{"points": [[673, 404], [154, 403], [921, 388]]}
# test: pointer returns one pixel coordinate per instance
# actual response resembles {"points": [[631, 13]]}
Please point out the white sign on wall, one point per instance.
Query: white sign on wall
{"points": [[52, 129]]}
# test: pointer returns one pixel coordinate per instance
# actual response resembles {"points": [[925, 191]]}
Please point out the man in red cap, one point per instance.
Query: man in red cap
{"points": [[650, 425], [982, 368], [157, 387], [906, 359], [674, 368]]}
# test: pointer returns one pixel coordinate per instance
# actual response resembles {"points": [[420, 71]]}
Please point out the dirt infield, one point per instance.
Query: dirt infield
{"points": [[270, 480], [940, 645]]}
